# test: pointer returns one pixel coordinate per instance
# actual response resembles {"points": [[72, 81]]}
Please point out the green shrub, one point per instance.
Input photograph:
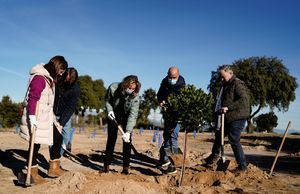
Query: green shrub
{"points": [[192, 107], [266, 122]]}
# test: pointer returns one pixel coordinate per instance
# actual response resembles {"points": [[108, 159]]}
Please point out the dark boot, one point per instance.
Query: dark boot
{"points": [[37, 179], [125, 170], [211, 159], [171, 169], [105, 169], [239, 171], [54, 168]]}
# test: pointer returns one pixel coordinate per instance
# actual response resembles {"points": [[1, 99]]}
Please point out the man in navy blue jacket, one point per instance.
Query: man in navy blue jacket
{"points": [[171, 84]]}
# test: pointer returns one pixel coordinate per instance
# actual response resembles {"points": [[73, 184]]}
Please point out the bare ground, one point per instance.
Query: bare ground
{"points": [[83, 175]]}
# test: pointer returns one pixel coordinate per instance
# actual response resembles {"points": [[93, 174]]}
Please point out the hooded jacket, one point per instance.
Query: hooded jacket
{"points": [[39, 102], [124, 106]]}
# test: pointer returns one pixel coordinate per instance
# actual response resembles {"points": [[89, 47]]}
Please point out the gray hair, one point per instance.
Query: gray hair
{"points": [[226, 68]]}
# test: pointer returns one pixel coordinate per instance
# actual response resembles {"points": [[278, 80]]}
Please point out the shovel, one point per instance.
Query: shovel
{"points": [[141, 156], [23, 179], [82, 161], [122, 132], [222, 164], [278, 152]]}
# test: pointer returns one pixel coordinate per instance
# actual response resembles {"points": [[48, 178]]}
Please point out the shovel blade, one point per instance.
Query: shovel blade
{"points": [[222, 165], [22, 180]]}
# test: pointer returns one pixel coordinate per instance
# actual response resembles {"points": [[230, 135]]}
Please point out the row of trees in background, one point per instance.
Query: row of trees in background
{"points": [[92, 93], [9, 112], [148, 101], [268, 80]]}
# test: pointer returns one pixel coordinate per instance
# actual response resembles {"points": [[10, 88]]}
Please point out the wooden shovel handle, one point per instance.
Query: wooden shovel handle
{"points": [[277, 154], [222, 128]]}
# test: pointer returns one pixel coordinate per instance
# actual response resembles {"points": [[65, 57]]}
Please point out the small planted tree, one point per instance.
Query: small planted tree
{"points": [[192, 107], [266, 122]]}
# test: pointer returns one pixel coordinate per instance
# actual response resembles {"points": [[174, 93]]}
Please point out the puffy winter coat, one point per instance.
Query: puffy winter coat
{"points": [[43, 110], [125, 107]]}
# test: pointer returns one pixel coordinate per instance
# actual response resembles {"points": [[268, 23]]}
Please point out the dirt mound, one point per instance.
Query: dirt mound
{"points": [[119, 183], [206, 180], [144, 175], [125, 184], [196, 179], [70, 182]]}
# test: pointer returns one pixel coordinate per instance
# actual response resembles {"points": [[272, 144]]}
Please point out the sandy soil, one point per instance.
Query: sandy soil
{"points": [[83, 176]]}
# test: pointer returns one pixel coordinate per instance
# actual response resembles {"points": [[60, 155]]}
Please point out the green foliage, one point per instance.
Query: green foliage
{"points": [[92, 92], [148, 101], [9, 112], [192, 107], [266, 122], [267, 79]]}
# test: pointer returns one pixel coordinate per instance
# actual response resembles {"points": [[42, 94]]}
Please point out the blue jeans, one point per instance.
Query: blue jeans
{"points": [[67, 135], [233, 130], [170, 142]]}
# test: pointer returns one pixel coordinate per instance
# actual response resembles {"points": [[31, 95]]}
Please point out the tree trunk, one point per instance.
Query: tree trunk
{"points": [[100, 120], [250, 127]]}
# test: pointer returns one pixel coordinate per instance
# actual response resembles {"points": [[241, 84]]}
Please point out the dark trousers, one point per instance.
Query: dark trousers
{"points": [[36, 149], [233, 130], [110, 146], [170, 144], [55, 149]]}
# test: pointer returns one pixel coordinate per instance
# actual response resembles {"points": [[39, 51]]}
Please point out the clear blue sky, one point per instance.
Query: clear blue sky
{"points": [[111, 39]]}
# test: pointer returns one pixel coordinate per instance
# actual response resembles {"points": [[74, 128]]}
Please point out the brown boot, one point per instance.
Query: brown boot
{"points": [[54, 168], [37, 179]]}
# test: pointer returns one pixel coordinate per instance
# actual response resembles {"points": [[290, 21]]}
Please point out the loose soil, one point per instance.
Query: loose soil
{"points": [[83, 175]]}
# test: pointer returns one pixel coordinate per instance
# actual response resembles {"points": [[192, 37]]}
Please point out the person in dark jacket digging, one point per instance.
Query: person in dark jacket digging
{"points": [[233, 101], [122, 105], [171, 84], [66, 98]]}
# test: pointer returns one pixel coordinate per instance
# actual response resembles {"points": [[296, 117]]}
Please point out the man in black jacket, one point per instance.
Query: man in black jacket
{"points": [[234, 103], [171, 84]]}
